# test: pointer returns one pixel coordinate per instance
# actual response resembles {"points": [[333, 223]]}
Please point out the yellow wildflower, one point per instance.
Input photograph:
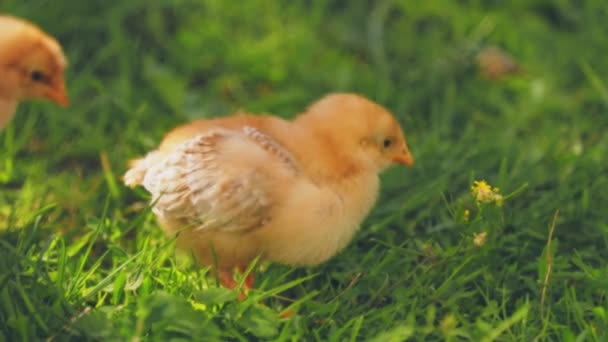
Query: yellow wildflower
{"points": [[448, 323], [484, 193], [467, 214], [479, 239]]}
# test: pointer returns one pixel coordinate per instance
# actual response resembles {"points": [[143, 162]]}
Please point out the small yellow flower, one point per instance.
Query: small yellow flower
{"points": [[467, 214], [484, 193], [448, 323], [479, 239], [427, 247]]}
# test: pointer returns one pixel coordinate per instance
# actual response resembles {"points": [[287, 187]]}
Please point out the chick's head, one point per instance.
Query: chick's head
{"points": [[32, 63], [361, 127]]}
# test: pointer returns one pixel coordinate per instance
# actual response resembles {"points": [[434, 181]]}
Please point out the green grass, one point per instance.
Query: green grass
{"points": [[82, 258]]}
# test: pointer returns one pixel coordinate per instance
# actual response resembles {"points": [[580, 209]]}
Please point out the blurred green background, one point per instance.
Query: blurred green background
{"points": [[139, 68]]}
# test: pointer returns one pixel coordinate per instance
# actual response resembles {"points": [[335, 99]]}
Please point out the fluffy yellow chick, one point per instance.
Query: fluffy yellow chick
{"points": [[31, 66], [292, 192]]}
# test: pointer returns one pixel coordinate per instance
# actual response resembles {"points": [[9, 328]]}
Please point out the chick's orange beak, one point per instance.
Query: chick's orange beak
{"points": [[59, 94], [404, 158]]}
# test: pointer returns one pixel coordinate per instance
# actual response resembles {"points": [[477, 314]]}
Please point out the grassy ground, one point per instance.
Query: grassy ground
{"points": [[81, 257]]}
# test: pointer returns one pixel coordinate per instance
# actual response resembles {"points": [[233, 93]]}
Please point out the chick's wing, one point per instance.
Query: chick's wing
{"points": [[219, 180]]}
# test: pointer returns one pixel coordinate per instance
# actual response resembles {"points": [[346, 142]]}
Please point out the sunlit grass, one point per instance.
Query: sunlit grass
{"points": [[81, 256]]}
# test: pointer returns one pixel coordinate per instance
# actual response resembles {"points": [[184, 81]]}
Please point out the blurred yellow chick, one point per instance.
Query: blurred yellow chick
{"points": [[31, 66], [292, 192]]}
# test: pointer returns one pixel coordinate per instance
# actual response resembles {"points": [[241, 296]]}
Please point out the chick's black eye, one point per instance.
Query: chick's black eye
{"points": [[37, 76], [387, 142]]}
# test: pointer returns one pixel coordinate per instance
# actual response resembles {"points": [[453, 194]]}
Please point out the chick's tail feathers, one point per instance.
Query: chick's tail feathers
{"points": [[139, 167]]}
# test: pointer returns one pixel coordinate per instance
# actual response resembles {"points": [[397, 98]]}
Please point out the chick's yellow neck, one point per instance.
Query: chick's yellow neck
{"points": [[323, 159]]}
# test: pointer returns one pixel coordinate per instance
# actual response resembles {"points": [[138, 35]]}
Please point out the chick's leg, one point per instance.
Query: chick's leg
{"points": [[249, 280], [227, 280]]}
